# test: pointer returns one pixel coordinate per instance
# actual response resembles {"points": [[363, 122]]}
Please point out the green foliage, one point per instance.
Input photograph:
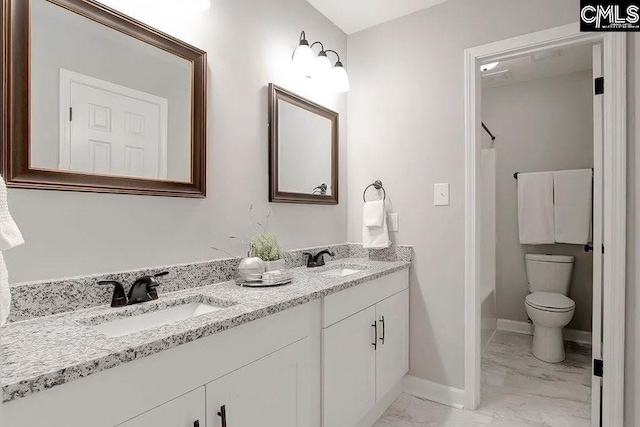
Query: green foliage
{"points": [[266, 246]]}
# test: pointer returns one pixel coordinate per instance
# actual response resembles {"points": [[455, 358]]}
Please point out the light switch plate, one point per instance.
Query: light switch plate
{"points": [[441, 194], [393, 222]]}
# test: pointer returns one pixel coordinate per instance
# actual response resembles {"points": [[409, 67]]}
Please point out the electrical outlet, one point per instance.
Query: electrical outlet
{"points": [[393, 220]]}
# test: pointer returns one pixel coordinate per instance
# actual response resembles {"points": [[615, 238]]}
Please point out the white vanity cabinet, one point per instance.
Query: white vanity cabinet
{"points": [[365, 351], [187, 410], [270, 392]]}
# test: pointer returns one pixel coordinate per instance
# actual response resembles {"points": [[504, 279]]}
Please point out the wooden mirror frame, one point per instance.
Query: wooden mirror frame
{"points": [[277, 93], [15, 91]]}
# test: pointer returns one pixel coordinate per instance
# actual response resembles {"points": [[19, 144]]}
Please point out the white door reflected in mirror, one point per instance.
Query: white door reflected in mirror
{"points": [[106, 103]]}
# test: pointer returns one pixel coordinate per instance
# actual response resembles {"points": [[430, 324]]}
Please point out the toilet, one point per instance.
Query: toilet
{"points": [[547, 305]]}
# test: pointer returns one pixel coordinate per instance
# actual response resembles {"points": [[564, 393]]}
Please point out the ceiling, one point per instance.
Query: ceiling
{"points": [[355, 15], [540, 65]]}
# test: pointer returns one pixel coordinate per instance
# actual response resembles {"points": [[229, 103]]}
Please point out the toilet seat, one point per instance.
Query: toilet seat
{"points": [[549, 301]]}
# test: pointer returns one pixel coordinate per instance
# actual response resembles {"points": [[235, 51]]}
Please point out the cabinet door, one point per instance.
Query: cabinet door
{"points": [[184, 411], [270, 392], [348, 370], [392, 357]]}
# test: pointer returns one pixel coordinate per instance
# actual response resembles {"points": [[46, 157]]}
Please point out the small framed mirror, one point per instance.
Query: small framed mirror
{"points": [[303, 150], [95, 101]]}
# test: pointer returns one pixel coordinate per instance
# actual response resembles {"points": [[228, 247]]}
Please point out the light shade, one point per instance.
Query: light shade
{"points": [[488, 67], [321, 68], [303, 59], [340, 79]]}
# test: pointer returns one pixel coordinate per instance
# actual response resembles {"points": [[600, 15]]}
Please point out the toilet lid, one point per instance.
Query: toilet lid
{"points": [[550, 301]]}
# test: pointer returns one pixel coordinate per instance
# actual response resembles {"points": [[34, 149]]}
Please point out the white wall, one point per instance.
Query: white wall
{"points": [[406, 127], [249, 44], [542, 125]]}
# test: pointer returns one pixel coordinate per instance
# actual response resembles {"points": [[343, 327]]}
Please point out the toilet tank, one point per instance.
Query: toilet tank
{"points": [[549, 273]]}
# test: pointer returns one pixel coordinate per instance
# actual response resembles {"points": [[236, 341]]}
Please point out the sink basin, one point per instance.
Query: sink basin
{"points": [[340, 272], [154, 319]]}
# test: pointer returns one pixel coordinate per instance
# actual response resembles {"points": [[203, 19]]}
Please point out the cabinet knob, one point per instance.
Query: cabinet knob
{"points": [[383, 330], [196, 423], [222, 413]]}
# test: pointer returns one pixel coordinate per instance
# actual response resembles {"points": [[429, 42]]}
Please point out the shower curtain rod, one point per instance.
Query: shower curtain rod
{"points": [[493, 138]]}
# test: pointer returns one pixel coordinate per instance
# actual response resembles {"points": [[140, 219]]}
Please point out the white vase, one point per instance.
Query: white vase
{"points": [[274, 265]]}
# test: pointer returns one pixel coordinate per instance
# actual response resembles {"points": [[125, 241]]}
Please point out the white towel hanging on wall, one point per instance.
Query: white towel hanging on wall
{"points": [[10, 237], [535, 208], [572, 205]]}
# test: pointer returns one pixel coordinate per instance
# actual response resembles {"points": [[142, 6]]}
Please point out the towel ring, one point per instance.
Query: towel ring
{"points": [[378, 186]]}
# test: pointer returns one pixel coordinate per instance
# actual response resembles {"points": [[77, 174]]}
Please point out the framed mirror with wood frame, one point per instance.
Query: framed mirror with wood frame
{"points": [[95, 101], [303, 150]]}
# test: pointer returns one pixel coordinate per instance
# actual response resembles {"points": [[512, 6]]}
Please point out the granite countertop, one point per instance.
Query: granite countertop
{"points": [[47, 351]]}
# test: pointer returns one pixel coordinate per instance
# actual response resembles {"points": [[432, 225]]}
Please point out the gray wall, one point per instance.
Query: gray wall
{"points": [[249, 44], [542, 125], [406, 127]]}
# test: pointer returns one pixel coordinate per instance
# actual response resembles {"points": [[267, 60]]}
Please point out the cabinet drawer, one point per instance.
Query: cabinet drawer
{"points": [[184, 411], [343, 304]]}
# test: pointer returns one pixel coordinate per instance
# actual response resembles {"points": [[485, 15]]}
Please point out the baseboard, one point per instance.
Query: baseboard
{"points": [[435, 392], [573, 335], [381, 406]]}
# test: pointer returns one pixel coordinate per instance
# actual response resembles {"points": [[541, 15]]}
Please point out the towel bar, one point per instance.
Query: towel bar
{"points": [[377, 184]]}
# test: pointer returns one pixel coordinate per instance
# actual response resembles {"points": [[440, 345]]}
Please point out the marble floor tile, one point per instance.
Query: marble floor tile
{"points": [[517, 390]]}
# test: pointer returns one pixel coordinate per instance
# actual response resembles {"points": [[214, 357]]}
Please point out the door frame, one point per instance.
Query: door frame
{"points": [[614, 150], [68, 77]]}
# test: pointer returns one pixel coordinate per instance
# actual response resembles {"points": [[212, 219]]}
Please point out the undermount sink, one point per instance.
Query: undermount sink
{"points": [[340, 272], [154, 319]]}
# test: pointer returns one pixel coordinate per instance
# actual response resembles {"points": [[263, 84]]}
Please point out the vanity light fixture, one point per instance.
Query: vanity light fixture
{"points": [[303, 57], [319, 67], [339, 76], [488, 67]]}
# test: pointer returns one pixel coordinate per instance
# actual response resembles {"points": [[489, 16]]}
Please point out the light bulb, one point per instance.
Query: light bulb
{"points": [[340, 78], [303, 59], [321, 67]]}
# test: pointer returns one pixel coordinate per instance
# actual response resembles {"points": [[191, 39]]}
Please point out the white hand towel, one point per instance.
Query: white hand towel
{"points": [[535, 208], [10, 236], [376, 237], [373, 213], [572, 205]]}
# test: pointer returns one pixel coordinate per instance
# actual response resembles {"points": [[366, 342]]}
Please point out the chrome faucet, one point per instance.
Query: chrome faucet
{"points": [[142, 290], [317, 260]]}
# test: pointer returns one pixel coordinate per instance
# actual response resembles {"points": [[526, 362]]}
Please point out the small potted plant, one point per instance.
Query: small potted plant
{"points": [[266, 246]]}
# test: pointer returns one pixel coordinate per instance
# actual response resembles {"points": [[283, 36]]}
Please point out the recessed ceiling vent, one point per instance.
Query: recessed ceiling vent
{"points": [[546, 55], [497, 77]]}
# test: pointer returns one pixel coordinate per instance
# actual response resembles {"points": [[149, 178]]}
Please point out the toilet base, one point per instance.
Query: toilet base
{"points": [[548, 344]]}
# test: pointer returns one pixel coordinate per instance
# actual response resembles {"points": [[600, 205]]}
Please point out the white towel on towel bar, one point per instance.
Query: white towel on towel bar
{"points": [[373, 213], [10, 236], [535, 208], [375, 237], [572, 205]]}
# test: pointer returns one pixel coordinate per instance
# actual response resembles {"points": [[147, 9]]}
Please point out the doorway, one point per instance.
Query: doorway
{"points": [[609, 170]]}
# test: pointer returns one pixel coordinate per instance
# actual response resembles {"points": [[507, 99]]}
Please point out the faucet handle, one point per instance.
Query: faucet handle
{"points": [[119, 298], [310, 259]]}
